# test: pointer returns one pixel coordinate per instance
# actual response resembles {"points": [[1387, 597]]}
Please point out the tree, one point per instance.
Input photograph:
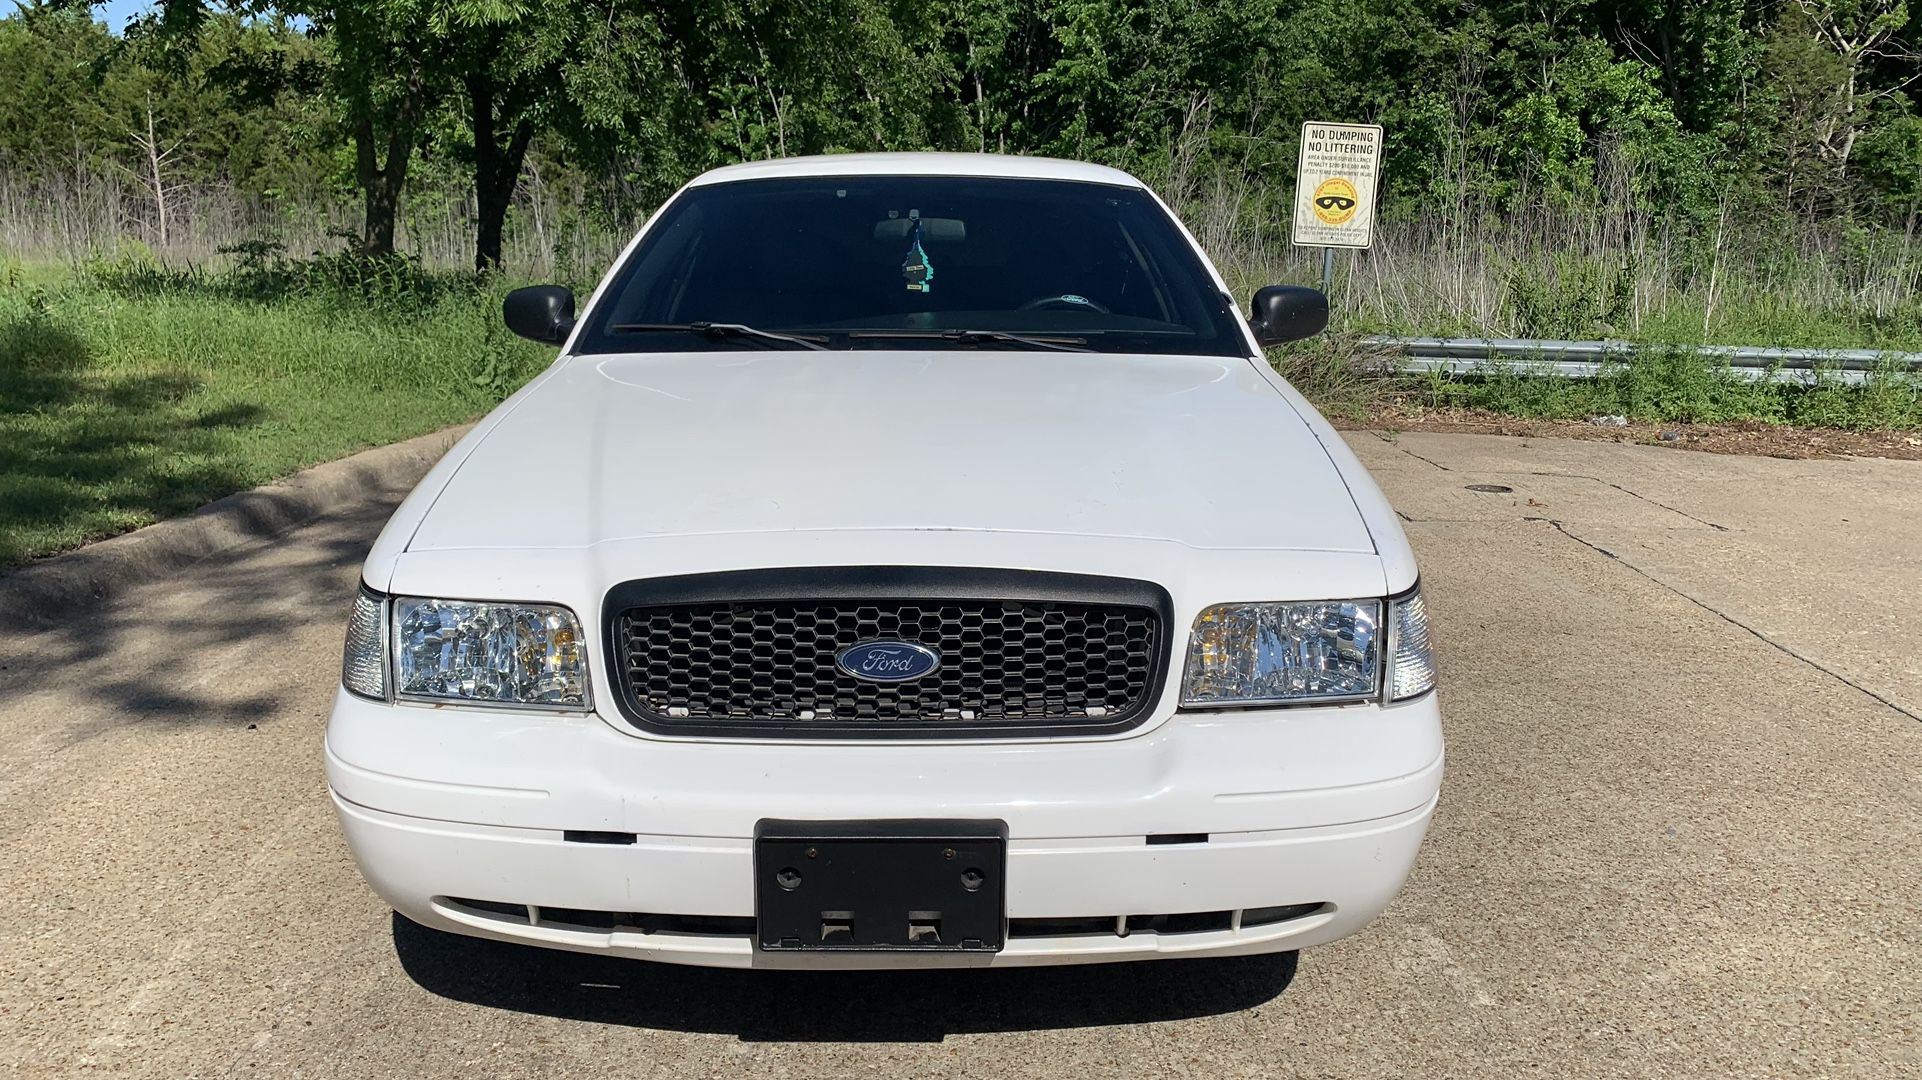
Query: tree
{"points": [[158, 177], [1683, 108], [1858, 32], [524, 69], [383, 79]]}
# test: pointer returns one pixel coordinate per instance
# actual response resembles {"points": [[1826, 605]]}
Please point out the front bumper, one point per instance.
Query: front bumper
{"points": [[1321, 807]]}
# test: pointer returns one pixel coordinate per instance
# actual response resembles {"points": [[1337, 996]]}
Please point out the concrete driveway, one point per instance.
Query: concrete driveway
{"points": [[1681, 833]]}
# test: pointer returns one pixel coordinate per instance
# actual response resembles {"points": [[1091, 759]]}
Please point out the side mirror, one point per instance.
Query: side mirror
{"points": [[540, 313], [1287, 313]]}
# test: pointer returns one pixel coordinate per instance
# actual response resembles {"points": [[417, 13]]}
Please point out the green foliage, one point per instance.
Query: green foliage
{"points": [[72, 95], [1699, 114], [1664, 386], [1890, 153], [1891, 398], [1565, 296], [1652, 169], [121, 407], [499, 365], [1323, 368], [387, 286], [1676, 386]]}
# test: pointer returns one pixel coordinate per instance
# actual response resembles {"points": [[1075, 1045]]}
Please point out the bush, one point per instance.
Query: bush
{"points": [[1679, 386], [260, 271], [1570, 297]]}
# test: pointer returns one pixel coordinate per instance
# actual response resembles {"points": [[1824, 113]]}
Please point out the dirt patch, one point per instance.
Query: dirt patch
{"points": [[1753, 437]]}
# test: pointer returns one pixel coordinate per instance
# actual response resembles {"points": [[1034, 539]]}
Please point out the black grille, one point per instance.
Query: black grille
{"points": [[1028, 663]]}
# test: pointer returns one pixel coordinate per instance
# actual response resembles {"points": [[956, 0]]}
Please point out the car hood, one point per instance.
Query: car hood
{"points": [[1197, 450]]}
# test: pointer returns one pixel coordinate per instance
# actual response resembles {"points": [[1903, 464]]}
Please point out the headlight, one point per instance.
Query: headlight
{"points": [[500, 654], [1320, 652], [1270, 654]]}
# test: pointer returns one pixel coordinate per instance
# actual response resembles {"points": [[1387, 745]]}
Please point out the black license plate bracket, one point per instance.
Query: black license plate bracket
{"points": [[881, 886]]}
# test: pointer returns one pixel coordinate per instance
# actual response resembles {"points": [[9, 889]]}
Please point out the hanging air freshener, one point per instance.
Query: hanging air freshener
{"points": [[915, 267]]}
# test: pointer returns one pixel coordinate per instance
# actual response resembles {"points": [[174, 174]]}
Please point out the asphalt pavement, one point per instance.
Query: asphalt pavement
{"points": [[1681, 833]]}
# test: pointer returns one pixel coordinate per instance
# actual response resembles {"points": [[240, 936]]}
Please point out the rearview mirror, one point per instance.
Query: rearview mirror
{"points": [[950, 230], [1287, 313], [540, 313]]}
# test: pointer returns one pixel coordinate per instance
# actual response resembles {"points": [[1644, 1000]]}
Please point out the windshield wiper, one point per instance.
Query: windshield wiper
{"points": [[976, 337], [720, 330]]}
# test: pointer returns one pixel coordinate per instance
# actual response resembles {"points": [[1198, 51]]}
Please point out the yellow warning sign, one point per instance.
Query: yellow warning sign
{"points": [[1335, 185], [1336, 200]]}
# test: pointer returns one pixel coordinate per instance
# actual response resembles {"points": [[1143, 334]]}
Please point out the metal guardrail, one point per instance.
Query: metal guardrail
{"points": [[1585, 359]]}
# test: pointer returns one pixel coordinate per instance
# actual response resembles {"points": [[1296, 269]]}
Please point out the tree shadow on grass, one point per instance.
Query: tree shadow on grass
{"points": [[817, 1006], [87, 452]]}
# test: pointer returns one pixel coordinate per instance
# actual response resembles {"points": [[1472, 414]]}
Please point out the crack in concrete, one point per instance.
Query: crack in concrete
{"points": [[1410, 453], [1520, 517], [1730, 619], [1638, 495], [1572, 476]]}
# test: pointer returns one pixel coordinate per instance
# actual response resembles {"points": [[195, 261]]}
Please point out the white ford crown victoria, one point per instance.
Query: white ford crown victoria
{"points": [[908, 560]]}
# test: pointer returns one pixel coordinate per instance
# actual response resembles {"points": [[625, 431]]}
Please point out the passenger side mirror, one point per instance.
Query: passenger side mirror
{"points": [[542, 313], [1287, 313]]}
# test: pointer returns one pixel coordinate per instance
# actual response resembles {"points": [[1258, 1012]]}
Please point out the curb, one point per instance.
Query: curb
{"points": [[43, 592]]}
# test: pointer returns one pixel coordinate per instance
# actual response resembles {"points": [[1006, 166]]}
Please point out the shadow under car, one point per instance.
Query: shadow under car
{"points": [[841, 1006]]}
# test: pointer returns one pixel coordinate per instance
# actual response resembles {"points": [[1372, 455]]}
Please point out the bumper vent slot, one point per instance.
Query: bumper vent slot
{"points": [[595, 836], [581, 919], [1192, 922], [1198, 922], [1268, 916]]}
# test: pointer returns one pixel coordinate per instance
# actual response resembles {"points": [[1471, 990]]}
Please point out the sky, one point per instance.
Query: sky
{"points": [[115, 13]]}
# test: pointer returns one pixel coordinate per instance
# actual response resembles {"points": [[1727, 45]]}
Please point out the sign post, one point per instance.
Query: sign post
{"points": [[1335, 186]]}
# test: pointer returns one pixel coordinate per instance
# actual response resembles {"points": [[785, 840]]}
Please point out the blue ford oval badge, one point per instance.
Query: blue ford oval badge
{"points": [[887, 661]]}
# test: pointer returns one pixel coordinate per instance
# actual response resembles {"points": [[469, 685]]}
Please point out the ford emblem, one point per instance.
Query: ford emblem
{"points": [[887, 661]]}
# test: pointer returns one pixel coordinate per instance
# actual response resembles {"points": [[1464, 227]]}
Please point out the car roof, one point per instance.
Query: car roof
{"points": [[998, 165]]}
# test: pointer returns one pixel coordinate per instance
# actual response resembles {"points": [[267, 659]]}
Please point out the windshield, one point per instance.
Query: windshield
{"points": [[895, 262]]}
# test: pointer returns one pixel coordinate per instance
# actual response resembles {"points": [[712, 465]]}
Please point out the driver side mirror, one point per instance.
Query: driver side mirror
{"points": [[543, 313], [1281, 313]]}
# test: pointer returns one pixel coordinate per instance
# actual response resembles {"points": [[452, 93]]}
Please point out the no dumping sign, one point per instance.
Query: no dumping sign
{"points": [[1335, 185]]}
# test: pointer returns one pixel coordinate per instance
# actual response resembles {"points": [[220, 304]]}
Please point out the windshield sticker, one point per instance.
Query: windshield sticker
{"points": [[915, 267]]}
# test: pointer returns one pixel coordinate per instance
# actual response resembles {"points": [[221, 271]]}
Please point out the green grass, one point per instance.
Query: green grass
{"points": [[1657, 386], [1681, 387], [1436, 288], [122, 405], [131, 392], [1747, 317]]}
